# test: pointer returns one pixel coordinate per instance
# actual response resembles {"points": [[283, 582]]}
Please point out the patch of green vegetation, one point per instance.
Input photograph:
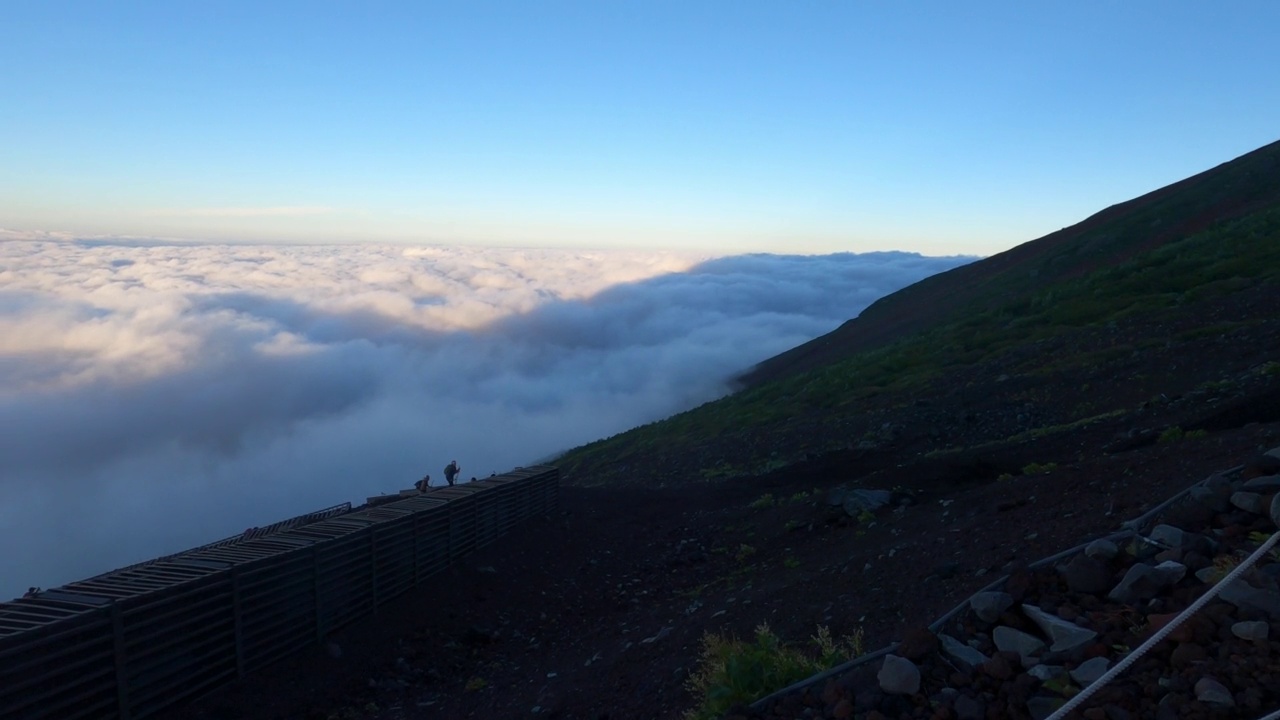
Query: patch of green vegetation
{"points": [[793, 524], [1176, 433], [764, 501], [770, 426], [1039, 469], [800, 496], [732, 671], [744, 552], [476, 683], [791, 563]]}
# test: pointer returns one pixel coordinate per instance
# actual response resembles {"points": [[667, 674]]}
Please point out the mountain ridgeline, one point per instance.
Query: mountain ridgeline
{"points": [[1032, 341]]}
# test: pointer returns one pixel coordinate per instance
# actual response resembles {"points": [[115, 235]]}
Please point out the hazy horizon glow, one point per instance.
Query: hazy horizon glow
{"points": [[156, 396], [933, 126]]}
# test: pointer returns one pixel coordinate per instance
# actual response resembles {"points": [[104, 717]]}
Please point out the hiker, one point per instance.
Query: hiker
{"points": [[424, 484], [451, 471]]}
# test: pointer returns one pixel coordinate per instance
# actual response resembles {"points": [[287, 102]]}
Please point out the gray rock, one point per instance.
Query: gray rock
{"points": [[1216, 501], [1042, 707], [835, 496], [988, 606], [1173, 572], [1168, 535], [1008, 639], [1265, 485], [899, 676], [1141, 582], [1248, 502], [859, 501], [1101, 550], [1090, 670], [968, 708], [1212, 692], [963, 655], [1251, 630], [1247, 597], [1084, 574], [1275, 511], [1066, 636], [1045, 673], [1274, 452], [1208, 575]]}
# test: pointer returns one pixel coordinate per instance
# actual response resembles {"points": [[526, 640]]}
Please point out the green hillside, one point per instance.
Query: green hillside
{"points": [[1146, 264]]}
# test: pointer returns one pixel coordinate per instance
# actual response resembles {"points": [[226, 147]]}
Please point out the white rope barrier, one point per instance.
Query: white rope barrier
{"points": [[1164, 632]]}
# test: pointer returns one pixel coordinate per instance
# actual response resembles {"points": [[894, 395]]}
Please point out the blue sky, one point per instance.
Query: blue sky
{"points": [[939, 127]]}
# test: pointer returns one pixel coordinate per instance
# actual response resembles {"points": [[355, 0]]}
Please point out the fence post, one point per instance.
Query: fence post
{"points": [[237, 621], [122, 679], [373, 565], [315, 591]]}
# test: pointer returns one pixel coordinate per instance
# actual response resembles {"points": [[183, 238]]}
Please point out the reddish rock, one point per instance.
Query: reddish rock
{"points": [[1186, 654], [844, 709], [998, 667], [832, 693], [917, 644]]}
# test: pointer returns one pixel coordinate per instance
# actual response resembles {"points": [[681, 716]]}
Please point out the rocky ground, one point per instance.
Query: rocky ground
{"points": [[1023, 649], [599, 611]]}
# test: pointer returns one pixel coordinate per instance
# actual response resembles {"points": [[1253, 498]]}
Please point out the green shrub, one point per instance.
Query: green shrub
{"points": [[764, 501], [1172, 434], [791, 563], [732, 672], [1038, 469]]}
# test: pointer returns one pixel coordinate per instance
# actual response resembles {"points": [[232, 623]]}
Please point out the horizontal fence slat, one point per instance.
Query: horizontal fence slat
{"points": [[187, 623]]}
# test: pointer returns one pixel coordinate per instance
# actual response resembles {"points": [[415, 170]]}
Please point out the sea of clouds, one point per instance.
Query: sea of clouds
{"points": [[156, 396]]}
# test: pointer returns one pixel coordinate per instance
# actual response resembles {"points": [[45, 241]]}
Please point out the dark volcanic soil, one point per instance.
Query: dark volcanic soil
{"points": [[598, 611]]}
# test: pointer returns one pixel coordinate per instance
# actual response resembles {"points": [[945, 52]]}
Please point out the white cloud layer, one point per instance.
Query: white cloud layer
{"points": [[157, 396]]}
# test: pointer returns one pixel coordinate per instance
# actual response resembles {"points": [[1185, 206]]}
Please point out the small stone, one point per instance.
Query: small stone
{"points": [[1045, 673], [1213, 500], [1266, 485], [1141, 582], [1246, 597], [998, 667], [899, 676], [1248, 502], [1167, 535], [1101, 550], [842, 709], [1084, 574], [1066, 636], [965, 656], [1090, 670], [1275, 511], [988, 606], [1008, 639], [1212, 692], [917, 644], [1173, 571], [1250, 630]]}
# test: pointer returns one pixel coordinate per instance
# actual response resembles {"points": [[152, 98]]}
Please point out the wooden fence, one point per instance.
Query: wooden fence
{"points": [[132, 642]]}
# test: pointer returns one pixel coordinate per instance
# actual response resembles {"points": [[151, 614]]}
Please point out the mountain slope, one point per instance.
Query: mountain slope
{"points": [[1118, 234], [1164, 275]]}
